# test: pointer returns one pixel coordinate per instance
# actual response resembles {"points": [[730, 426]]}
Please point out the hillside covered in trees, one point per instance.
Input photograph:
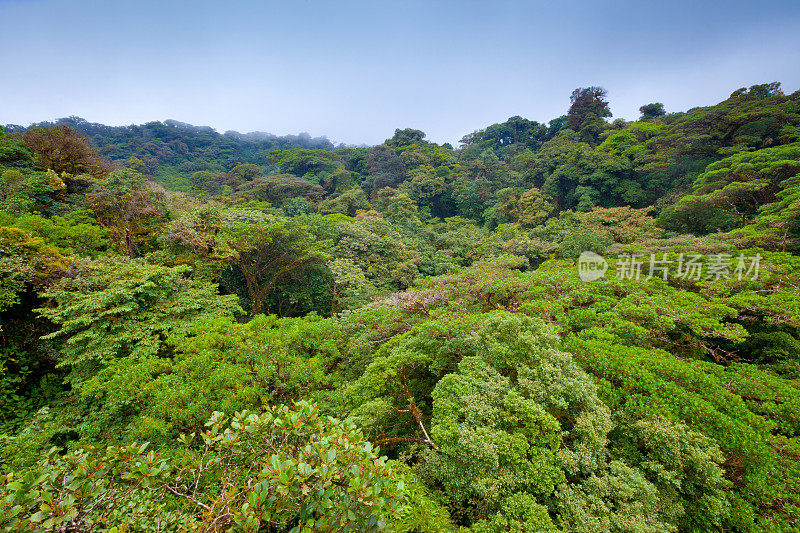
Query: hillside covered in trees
{"points": [[213, 332], [171, 151]]}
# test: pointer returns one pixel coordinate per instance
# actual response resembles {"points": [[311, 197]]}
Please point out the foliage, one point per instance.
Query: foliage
{"points": [[62, 149], [284, 468], [114, 309], [587, 110], [731, 192], [26, 260], [430, 298], [517, 418], [129, 209], [650, 111]]}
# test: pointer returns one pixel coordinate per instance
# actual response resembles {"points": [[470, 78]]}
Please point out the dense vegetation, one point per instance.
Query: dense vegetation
{"points": [[205, 332]]}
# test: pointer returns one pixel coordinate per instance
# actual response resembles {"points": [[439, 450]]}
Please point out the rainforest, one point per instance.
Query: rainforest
{"points": [[204, 331]]}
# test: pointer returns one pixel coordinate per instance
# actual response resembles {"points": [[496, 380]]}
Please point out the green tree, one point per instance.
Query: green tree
{"points": [[130, 209], [588, 107], [63, 149], [348, 203], [25, 261], [279, 188], [533, 207], [730, 192], [13, 152], [650, 111], [122, 311], [268, 253], [406, 137]]}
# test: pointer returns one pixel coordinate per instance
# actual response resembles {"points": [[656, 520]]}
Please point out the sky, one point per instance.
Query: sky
{"points": [[356, 70]]}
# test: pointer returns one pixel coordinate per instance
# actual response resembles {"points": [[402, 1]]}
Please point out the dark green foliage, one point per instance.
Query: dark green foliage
{"points": [[652, 111], [731, 192], [406, 137], [13, 152], [586, 113], [173, 150]]}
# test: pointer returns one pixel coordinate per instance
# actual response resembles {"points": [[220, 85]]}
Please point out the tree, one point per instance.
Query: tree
{"points": [[588, 108], [765, 90], [75, 233], [623, 224], [516, 130], [130, 209], [348, 203], [13, 152], [23, 191], [279, 188], [251, 472], [62, 149], [245, 172], [406, 137], [303, 161], [730, 192], [386, 168], [207, 181], [115, 309], [350, 288], [26, 260], [267, 253], [533, 207], [650, 111], [425, 186], [777, 225]]}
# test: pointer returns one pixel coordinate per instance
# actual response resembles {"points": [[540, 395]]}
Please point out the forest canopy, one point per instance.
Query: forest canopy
{"points": [[246, 332]]}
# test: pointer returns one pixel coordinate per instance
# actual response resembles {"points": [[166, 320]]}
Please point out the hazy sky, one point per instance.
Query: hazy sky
{"points": [[356, 70]]}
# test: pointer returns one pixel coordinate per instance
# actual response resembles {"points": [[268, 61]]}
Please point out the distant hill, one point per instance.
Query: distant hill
{"points": [[172, 150]]}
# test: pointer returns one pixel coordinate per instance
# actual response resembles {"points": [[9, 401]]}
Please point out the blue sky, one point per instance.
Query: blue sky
{"points": [[356, 70]]}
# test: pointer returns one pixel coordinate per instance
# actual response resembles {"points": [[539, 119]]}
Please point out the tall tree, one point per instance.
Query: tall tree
{"points": [[654, 110], [267, 251], [386, 167], [132, 211], [406, 137], [63, 149], [588, 107]]}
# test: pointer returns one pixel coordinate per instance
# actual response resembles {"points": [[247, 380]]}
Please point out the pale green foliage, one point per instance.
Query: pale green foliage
{"points": [[26, 260], [74, 233], [421, 510], [684, 466], [347, 203], [351, 286], [119, 308], [533, 207], [519, 513], [492, 441], [22, 190], [377, 248], [518, 417], [226, 366], [620, 500]]}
